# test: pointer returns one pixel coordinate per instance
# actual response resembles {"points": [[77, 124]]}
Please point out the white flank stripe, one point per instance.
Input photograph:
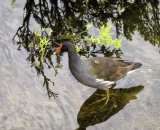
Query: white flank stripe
{"points": [[131, 71], [99, 80], [104, 82]]}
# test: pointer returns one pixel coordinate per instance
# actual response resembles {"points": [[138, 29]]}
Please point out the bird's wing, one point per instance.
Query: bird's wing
{"points": [[109, 69]]}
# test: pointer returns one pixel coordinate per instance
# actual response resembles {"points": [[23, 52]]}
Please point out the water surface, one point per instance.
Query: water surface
{"points": [[24, 103]]}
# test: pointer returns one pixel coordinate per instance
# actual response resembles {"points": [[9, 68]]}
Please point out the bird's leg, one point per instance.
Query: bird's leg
{"points": [[104, 98], [113, 85], [107, 95]]}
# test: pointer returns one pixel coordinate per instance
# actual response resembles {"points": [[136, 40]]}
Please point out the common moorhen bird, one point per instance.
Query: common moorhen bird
{"points": [[97, 72]]}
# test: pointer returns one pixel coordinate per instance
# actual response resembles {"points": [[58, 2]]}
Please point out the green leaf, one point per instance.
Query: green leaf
{"points": [[105, 38], [84, 57], [43, 29], [88, 26], [77, 48], [50, 32], [35, 61]]}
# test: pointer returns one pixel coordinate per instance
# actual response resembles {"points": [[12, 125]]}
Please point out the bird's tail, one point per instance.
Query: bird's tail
{"points": [[136, 66]]}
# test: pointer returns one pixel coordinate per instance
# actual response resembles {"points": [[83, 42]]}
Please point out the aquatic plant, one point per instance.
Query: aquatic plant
{"points": [[104, 38], [12, 4], [41, 43]]}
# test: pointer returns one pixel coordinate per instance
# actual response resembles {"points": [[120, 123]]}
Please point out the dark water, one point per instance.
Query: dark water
{"points": [[24, 103]]}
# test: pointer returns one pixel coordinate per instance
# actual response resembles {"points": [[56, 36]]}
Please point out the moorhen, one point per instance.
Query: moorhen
{"points": [[96, 72]]}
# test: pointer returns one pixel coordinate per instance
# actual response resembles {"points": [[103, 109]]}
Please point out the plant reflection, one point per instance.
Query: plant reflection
{"points": [[94, 110], [46, 83], [127, 16]]}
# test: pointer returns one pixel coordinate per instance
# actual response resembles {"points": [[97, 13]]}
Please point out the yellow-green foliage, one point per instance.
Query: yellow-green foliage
{"points": [[105, 37], [12, 4], [77, 48], [87, 1], [42, 44]]}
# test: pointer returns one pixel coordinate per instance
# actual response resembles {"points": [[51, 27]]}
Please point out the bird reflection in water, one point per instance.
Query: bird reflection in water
{"points": [[95, 110]]}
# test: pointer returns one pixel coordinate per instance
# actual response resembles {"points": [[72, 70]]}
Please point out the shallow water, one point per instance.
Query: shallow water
{"points": [[24, 103]]}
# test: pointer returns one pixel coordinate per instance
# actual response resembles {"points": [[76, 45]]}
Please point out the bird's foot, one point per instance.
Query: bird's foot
{"points": [[108, 94], [105, 96]]}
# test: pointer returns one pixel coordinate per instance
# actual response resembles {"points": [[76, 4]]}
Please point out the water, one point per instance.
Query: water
{"points": [[24, 103]]}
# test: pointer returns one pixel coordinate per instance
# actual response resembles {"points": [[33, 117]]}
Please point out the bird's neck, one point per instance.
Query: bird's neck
{"points": [[73, 56]]}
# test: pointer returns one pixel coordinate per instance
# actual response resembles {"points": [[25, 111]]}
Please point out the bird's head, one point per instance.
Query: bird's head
{"points": [[65, 47]]}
